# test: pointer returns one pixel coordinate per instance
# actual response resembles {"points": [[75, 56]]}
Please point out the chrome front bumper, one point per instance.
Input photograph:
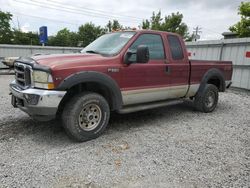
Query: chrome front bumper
{"points": [[42, 104]]}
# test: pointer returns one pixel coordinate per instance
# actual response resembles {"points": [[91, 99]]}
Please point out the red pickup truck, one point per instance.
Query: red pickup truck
{"points": [[124, 71]]}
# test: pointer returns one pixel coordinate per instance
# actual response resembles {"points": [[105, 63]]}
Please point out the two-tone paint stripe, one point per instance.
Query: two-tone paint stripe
{"points": [[157, 94], [139, 96]]}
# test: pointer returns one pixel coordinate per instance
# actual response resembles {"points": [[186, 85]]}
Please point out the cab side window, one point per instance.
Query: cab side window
{"points": [[175, 47], [153, 42]]}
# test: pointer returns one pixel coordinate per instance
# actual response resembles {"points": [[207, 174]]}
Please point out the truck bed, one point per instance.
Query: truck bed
{"points": [[200, 67]]}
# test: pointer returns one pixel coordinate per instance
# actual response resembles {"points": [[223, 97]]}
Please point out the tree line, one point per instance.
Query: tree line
{"points": [[88, 32]]}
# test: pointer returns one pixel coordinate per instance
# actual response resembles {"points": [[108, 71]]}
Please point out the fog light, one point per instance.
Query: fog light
{"points": [[31, 98]]}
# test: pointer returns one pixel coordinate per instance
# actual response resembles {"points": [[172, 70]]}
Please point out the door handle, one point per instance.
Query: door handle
{"points": [[168, 70]]}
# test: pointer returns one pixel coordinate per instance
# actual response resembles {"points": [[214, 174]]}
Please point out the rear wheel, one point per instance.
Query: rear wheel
{"points": [[86, 116], [207, 99]]}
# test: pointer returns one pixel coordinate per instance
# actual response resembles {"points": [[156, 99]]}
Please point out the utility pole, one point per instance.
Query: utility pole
{"points": [[18, 24], [196, 32]]}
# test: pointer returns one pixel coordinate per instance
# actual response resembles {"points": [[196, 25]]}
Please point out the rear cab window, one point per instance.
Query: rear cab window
{"points": [[175, 47]]}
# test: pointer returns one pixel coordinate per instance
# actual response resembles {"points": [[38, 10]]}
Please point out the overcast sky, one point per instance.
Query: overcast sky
{"points": [[213, 16]]}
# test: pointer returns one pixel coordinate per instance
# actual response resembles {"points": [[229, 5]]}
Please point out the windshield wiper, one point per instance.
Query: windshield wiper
{"points": [[92, 52]]}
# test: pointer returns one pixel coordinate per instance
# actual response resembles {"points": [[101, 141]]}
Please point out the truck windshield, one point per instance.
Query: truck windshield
{"points": [[109, 44]]}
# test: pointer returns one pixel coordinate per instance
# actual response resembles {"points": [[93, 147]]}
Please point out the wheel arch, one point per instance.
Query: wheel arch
{"points": [[92, 81], [213, 76]]}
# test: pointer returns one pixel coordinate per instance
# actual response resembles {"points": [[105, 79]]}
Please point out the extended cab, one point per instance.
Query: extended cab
{"points": [[123, 71]]}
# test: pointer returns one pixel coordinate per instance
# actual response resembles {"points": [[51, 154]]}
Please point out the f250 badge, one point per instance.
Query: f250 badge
{"points": [[113, 69]]}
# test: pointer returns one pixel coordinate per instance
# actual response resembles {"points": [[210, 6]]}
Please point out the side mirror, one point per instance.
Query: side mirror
{"points": [[142, 54]]}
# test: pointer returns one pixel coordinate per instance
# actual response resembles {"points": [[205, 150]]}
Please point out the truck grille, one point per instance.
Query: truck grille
{"points": [[22, 74]]}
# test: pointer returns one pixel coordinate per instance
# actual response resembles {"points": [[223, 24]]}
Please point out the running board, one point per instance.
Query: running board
{"points": [[146, 106]]}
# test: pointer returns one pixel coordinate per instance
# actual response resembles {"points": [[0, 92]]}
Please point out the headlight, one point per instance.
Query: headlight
{"points": [[43, 80]]}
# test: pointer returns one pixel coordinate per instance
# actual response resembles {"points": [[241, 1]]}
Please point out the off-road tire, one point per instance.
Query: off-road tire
{"points": [[208, 95], [72, 120]]}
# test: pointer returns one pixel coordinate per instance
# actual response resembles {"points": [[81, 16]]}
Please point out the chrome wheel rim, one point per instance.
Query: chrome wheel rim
{"points": [[210, 99], [89, 117]]}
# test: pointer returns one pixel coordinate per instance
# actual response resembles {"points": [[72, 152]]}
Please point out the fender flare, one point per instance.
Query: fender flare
{"points": [[95, 77], [213, 73]]}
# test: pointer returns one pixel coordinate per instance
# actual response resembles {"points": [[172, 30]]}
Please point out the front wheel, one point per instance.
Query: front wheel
{"points": [[207, 99], [86, 116]]}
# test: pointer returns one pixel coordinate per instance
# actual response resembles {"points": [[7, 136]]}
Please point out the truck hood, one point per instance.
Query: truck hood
{"points": [[58, 61]]}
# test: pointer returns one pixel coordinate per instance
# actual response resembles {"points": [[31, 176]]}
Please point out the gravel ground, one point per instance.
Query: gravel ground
{"points": [[167, 147]]}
